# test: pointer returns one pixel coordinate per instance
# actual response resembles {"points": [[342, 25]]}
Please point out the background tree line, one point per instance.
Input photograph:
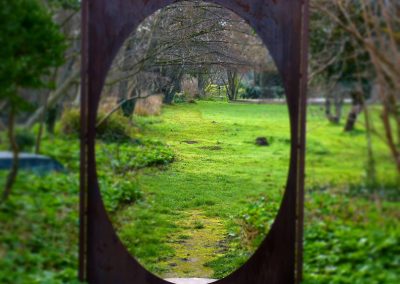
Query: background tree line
{"points": [[354, 44]]}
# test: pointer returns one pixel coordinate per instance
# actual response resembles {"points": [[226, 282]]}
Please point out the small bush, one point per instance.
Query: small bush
{"points": [[25, 140], [38, 230], [127, 107], [115, 128], [119, 193], [278, 91], [70, 122], [252, 92], [180, 98], [257, 219], [338, 252], [215, 92], [123, 158]]}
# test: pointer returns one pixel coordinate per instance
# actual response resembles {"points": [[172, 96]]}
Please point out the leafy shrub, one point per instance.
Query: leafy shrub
{"points": [[127, 157], [127, 107], [67, 152], [336, 252], [278, 91], [257, 219], [347, 240], [252, 92], [115, 128], [39, 230], [180, 98], [256, 92], [25, 139], [120, 158], [120, 192], [215, 92], [70, 122], [41, 216], [350, 240], [388, 190]]}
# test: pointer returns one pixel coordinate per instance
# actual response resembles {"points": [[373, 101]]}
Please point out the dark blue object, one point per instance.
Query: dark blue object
{"points": [[31, 162]]}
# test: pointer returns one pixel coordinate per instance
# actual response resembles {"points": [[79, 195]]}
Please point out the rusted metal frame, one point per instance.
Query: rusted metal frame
{"points": [[261, 267], [302, 118], [82, 269]]}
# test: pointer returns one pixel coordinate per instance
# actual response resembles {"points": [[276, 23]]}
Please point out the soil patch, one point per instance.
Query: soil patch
{"points": [[190, 142], [211, 148]]}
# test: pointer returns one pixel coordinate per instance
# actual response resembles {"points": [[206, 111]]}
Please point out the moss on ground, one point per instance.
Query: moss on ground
{"points": [[196, 243]]}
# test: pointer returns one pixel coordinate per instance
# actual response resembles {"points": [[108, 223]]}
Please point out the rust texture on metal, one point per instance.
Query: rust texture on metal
{"points": [[106, 24]]}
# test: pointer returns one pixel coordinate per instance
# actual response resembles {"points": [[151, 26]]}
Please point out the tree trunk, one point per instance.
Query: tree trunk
{"points": [[41, 123], [12, 175], [338, 103], [232, 87], [328, 108], [338, 107], [123, 85], [201, 85], [173, 88], [390, 109], [371, 169], [356, 109], [128, 104]]}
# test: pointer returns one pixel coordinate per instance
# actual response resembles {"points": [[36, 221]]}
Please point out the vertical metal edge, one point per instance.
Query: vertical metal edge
{"points": [[82, 271], [302, 117]]}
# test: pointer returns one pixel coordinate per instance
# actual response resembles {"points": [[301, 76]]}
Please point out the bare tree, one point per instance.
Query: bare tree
{"points": [[193, 38], [375, 29]]}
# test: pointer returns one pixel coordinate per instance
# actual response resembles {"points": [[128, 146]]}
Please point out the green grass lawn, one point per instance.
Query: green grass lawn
{"points": [[218, 170], [191, 223], [193, 195]]}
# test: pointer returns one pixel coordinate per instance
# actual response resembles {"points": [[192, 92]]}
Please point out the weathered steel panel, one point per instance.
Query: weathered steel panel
{"points": [[282, 24]]}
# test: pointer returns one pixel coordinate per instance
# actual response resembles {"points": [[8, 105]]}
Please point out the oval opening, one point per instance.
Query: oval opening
{"points": [[192, 142]]}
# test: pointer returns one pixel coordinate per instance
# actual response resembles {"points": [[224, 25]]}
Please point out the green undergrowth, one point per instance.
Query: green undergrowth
{"points": [[351, 239], [39, 229], [114, 128], [191, 194], [39, 223]]}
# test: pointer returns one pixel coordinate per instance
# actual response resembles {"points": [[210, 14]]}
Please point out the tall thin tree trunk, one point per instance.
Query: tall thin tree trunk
{"points": [[338, 107], [328, 108], [201, 84], [232, 85], [354, 112], [41, 124], [338, 103], [173, 88], [371, 170], [14, 147], [388, 126]]}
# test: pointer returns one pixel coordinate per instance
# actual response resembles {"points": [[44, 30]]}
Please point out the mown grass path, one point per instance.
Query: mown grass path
{"points": [[192, 206]]}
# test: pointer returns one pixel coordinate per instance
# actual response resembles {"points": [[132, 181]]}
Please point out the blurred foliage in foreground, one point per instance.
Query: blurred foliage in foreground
{"points": [[39, 223]]}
